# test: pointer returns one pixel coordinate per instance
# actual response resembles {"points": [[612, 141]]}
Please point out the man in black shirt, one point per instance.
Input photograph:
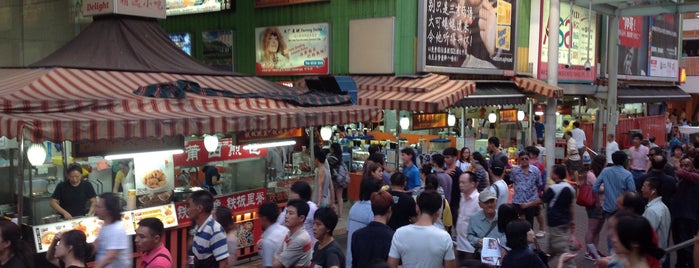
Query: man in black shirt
{"points": [[667, 183], [403, 204], [71, 195]]}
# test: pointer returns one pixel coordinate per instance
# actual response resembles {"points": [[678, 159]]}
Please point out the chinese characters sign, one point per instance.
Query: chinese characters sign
{"points": [[468, 38], [427, 121], [142, 8], [270, 134], [631, 31], [182, 7], [664, 30], [248, 200], [292, 50], [196, 154], [577, 26]]}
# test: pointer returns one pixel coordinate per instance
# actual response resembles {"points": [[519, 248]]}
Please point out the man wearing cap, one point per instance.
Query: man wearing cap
{"points": [[484, 222], [559, 199]]}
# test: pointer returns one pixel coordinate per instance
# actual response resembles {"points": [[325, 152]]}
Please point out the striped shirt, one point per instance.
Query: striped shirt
{"points": [[210, 240]]}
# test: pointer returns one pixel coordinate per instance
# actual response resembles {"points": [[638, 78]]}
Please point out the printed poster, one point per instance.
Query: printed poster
{"points": [[292, 49], [633, 47], [663, 37], [455, 34], [155, 180], [576, 27], [183, 7], [218, 49]]}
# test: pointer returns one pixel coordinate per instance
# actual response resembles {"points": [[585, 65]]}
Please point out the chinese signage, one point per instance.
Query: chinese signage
{"points": [[454, 35], [44, 234], [270, 134], [427, 121], [508, 116], [248, 200], [292, 50], [183, 41], [664, 30], [183, 7], [633, 46], [142, 8], [269, 3], [631, 31], [218, 49], [577, 27], [196, 154]]}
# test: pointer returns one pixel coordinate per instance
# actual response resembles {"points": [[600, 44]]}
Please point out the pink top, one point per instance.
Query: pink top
{"points": [[158, 258], [639, 157]]}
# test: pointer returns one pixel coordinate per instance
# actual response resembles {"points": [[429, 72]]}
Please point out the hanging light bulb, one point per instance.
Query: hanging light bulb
{"points": [[326, 133], [210, 143], [492, 118], [451, 119], [520, 115], [404, 123], [36, 154]]}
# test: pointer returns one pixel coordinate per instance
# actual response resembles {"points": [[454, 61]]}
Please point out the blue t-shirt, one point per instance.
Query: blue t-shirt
{"points": [[413, 176], [539, 128]]}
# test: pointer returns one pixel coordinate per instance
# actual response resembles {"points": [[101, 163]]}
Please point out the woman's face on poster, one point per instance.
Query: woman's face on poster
{"points": [[272, 43]]}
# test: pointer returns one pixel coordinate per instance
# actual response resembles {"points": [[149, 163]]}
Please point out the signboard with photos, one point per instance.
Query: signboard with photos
{"points": [[454, 37], [577, 25], [649, 47], [293, 49], [184, 7]]}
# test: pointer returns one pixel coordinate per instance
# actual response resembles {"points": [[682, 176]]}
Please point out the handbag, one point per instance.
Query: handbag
{"points": [[586, 197]]}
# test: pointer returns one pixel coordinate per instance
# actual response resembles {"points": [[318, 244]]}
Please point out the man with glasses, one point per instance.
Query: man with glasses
{"points": [[527, 180]]}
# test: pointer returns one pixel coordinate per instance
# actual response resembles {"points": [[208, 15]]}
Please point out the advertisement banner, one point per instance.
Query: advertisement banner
{"points": [[633, 51], [270, 3], [196, 154], [664, 31], [184, 7], [577, 25], [293, 49], [218, 49], [183, 41], [142, 8], [458, 36], [237, 202], [155, 178]]}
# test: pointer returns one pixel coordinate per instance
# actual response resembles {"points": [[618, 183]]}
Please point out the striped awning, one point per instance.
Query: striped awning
{"points": [[494, 93], [76, 104], [539, 87], [430, 93]]}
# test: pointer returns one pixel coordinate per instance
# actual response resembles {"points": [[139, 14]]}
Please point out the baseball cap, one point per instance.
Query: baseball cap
{"points": [[496, 165], [486, 195]]}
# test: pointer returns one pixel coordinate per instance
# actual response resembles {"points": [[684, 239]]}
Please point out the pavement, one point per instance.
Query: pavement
{"points": [[580, 230]]}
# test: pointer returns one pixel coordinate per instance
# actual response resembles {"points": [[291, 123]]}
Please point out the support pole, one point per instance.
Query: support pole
{"points": [[20, 182], [613, 67], [551, 103]]}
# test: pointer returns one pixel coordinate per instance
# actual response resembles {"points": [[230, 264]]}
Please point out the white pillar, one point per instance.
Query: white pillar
{"points": [[613, 67], [551, 103]]}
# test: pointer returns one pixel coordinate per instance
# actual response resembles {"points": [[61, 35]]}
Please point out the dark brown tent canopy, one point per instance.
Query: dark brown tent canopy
{"points": [[122, 43]]}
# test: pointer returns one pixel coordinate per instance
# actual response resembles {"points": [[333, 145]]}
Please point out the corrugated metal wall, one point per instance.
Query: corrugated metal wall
{"points": [[338, 13]]}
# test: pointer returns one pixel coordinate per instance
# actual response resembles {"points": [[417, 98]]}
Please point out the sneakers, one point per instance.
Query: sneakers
{"points": [[540, 234]]}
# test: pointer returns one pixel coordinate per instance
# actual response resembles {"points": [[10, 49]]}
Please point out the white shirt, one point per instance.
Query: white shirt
{"points": [[612, 147], [658, 216], [579, 136], [503, 193], [468, 205], [272, 239], [421, 246]]}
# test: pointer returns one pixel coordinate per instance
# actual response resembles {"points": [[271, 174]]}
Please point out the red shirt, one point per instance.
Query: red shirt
{"points": [[157, 258]]}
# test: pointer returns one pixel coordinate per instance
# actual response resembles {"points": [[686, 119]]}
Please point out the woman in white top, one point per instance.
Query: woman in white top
{"points": [[224, 217], [464, 162]]}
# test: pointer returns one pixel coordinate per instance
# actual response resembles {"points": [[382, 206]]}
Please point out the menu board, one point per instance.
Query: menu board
{"points": [[44, 234], [155, 180]]}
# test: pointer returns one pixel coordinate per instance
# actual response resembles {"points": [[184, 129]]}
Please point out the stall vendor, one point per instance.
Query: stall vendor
{"points": [[71, 195], [212, 179]]}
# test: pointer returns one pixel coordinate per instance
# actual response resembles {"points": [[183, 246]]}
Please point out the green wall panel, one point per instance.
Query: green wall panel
{"points": [[337, 13]]}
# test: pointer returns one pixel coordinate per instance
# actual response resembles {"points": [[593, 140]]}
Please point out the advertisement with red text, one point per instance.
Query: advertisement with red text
{"points": [[293, 49]]}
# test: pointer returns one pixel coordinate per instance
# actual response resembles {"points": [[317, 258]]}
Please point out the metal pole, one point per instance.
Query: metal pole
{"points": [[20, 184], [551, 103], [398, 131], [613, 67], [529, 139]]}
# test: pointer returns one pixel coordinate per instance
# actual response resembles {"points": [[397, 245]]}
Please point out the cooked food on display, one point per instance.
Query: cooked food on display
{"points": [[154, 179]]}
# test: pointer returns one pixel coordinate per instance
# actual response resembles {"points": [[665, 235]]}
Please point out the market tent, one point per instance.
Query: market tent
{"points": [[539, 87], [73, 104], [428, 93], [493, 93], [651, 94]]}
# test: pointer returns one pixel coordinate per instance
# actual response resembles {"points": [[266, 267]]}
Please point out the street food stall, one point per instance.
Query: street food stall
{"points": [[118, 103]]}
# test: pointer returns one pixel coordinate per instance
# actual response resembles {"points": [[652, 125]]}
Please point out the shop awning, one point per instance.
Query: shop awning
{"points": [[430, 93], [539, 87], [494, 93], [651, 94], [75, 104]]}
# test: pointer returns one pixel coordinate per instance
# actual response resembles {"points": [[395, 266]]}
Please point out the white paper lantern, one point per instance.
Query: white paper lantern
{"points": [[36, 154], [211, 143]]}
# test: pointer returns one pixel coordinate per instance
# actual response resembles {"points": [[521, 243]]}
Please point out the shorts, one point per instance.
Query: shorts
{"points": [[573, 165], [594, 212]]}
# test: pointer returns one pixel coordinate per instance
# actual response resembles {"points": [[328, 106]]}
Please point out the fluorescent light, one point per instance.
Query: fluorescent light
{"points": [[144, 154], [268, 145], [539, 113]]}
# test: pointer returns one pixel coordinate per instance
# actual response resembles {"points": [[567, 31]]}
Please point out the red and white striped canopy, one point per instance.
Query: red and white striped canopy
{"points": [[76, 104], [539, 87], [429, 94]]}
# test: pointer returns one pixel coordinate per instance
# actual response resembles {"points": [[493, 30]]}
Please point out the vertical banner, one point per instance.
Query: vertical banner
{"points": [[577, 25], [663, 38], [633, 46], [293, 49], [218, 49], [457, 36]]}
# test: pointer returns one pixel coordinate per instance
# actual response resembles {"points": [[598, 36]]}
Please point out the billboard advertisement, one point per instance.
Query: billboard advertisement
{"points": [[663, 38], [218, 49], [293, 49], [184, 7], [457, 36], [577, 25], [633, 46]]}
